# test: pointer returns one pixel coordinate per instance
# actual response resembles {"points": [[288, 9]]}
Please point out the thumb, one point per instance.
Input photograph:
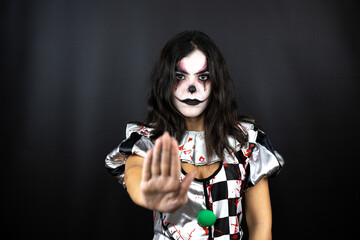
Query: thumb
{"points": [[185, 185]]}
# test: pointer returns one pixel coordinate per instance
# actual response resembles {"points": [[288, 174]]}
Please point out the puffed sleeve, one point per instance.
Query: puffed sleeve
{"points": [[137, 142], [263, 160]]}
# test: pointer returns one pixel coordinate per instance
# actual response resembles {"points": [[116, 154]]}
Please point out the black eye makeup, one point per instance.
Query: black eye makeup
{"points": [[180, 77], [204, 78]]}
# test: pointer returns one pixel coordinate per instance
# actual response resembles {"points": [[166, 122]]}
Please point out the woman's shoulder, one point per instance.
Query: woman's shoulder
{"points": [[246, 123], [249, 127]]}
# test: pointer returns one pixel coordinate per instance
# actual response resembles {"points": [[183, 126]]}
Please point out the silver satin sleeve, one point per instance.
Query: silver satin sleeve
{"points": [[263, 163], [116, 159], [142, 146]]}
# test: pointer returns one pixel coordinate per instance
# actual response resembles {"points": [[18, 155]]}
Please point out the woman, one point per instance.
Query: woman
{"points": [[193, 153]]}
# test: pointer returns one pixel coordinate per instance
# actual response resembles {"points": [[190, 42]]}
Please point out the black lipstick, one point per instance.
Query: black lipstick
{"points": [[191, 102]]}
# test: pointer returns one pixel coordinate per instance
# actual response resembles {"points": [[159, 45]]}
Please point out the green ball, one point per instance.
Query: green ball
{"points": [[206, 218]]}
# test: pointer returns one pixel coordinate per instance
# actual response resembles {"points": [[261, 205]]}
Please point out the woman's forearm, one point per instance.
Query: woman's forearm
{"points": [[133, 171]]}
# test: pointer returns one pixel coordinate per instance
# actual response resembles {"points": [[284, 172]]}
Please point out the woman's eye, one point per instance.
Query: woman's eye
{"points": [[180, 77], [203, 77]]}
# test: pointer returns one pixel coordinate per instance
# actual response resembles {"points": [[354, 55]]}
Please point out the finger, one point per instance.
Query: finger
{"points": [[175, 164], [166, 154], [185, 185], [146, 172], [155, 166]]}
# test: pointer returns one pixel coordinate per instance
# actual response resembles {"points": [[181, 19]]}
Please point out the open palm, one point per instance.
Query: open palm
{"points": [[160, 184]]}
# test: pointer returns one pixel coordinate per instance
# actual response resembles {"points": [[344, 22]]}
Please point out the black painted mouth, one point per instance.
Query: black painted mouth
{"points": [[191, 102]]}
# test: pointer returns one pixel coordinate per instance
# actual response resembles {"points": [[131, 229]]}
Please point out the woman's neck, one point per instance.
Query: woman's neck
{"points": [[195, 123]]}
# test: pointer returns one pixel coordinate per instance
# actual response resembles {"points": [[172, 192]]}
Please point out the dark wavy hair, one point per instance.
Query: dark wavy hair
{"points": [[220, 115]]}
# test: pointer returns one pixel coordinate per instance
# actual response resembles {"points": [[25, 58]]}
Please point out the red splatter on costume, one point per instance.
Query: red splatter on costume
{"points": [[221, 192]]}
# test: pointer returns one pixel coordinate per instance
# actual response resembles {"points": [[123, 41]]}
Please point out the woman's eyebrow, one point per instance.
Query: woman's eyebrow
{"points": [[203, 71], [179, 69]]}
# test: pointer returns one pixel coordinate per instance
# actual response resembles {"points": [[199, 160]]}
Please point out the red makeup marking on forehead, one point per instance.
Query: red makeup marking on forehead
{"points": [[203, 67], [182, 66]]}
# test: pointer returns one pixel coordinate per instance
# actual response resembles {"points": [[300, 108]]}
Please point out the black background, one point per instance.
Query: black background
{"points": [[75, 72]]}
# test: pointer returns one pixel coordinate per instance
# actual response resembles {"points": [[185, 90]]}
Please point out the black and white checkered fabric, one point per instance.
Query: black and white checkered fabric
{"points": [[224, 192], [221, 193]]}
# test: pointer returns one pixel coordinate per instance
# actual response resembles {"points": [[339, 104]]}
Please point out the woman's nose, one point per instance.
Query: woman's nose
{"points": [[192, 89]]}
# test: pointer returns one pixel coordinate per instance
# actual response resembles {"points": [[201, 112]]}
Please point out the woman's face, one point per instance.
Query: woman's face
{"points": [[193, 87]]}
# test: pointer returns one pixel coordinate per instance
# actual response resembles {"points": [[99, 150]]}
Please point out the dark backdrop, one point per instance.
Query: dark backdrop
{"points": [[73, 73]]}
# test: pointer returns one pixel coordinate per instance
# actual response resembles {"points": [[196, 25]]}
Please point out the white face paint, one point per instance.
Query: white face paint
{"points": [[191, 94]]}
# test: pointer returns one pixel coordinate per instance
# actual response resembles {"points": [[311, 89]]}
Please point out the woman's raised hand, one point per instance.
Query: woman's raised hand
{"points": [[160, 184]]}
